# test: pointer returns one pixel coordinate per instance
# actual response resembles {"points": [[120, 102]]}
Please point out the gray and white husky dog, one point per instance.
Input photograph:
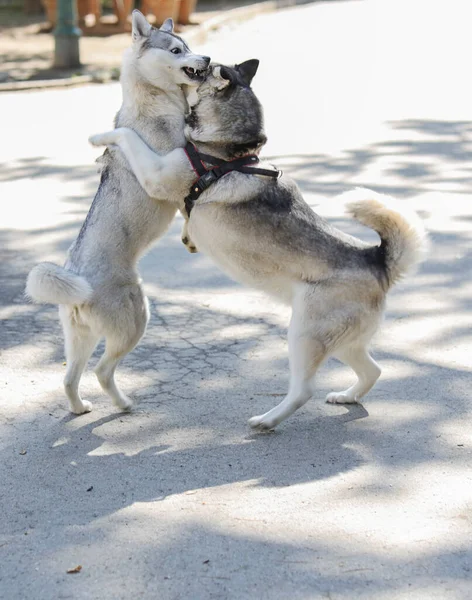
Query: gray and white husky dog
{"points": [[261, 232], [99, 289]]}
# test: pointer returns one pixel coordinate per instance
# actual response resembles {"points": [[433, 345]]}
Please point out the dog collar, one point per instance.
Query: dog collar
{"points": [[206, 177]]}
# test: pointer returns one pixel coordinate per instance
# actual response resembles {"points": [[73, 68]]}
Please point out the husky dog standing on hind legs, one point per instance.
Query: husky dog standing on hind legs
{"points": [[260, 231], [98, 290]]}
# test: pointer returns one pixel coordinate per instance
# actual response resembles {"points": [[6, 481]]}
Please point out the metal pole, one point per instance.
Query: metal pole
{"points": [[66, 34]]}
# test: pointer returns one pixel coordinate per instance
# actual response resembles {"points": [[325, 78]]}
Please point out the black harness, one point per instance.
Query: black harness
{"points": [[207, 177]]}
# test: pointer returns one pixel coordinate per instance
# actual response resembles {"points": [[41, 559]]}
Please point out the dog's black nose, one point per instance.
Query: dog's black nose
{"points": [[206, 59]]}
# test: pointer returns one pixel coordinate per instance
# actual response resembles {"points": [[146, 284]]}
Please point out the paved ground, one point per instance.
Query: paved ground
{"points": [[179, 499]]}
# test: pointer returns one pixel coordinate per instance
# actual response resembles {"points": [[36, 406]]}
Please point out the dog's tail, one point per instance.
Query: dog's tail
{"points": [[48, 283], [403, 236]]}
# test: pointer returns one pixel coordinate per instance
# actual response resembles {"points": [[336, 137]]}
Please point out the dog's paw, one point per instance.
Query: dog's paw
{"points": [[102, 139], [81, 410], [187, 242], [96, 140], [341, 398], [124, 403], [262, 423]]}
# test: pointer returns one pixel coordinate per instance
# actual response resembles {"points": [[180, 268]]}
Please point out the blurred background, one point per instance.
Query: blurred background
{"points": [[99, 30]]}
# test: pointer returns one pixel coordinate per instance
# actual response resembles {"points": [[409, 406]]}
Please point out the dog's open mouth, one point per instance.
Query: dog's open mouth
{"points": [[196, 74]]}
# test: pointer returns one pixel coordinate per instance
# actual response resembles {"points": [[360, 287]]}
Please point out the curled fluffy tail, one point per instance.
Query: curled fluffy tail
{"points": [[49, 283], [401, 231]]}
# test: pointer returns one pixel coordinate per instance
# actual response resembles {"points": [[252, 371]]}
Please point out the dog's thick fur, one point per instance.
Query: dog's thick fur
{"points": [[99, 290], [262, 233]]}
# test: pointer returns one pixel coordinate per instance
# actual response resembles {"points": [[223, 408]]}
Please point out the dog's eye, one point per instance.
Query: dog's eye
{"points": [[176, 51]]}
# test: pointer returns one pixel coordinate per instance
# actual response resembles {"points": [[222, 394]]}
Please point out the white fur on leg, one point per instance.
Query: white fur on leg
{"points": [[305, 356], [118, 346], [292, 401], [86, 407], [105, 372], [347, 397], [145, 164], [105, 139], [367, 371], [79, 345]]}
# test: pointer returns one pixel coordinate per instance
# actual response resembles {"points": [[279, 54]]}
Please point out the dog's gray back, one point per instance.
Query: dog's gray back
{"points": [[267, 234]]}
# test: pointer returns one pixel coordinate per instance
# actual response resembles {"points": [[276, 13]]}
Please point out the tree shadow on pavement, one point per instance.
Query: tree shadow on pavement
{"points": [[412, 163], [36, 167]]}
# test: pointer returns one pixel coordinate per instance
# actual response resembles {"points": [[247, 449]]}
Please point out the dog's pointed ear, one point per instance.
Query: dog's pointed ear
{"points": [[222, 77], [248, 69], [167, 26], [140, 27], [226, 73]]}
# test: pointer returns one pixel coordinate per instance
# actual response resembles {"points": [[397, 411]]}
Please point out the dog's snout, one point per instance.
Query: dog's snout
{"points": [[206, 59]]}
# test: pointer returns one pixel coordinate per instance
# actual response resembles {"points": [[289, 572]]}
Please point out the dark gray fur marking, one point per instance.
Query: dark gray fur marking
{"points": [[90, 215], [162, 40], [281, 208]]}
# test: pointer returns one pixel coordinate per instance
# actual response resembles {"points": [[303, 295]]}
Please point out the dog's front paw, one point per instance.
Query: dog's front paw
{"points": [[103, 139], [187, 242]]}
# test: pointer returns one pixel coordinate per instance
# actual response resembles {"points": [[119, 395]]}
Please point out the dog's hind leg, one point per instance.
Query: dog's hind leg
{"points": [[116, 348], [105, 371], [366, 369], [79, 345], [306, 353]]}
